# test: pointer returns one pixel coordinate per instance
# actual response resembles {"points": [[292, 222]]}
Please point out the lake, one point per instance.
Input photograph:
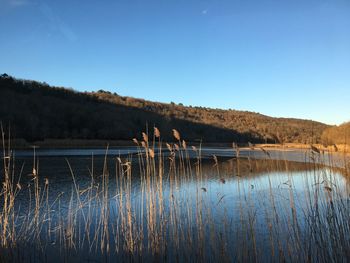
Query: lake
{"points": [[183, 205]]}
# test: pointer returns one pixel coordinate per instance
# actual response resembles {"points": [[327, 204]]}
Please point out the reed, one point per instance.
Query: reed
{"points": [[159, 206]]}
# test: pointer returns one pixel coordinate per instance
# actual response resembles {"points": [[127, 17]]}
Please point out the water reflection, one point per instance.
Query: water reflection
{"points": [[241, 207]]}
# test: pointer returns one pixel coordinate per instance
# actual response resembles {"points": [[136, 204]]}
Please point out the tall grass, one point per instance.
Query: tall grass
{"points": [[163, 219]]}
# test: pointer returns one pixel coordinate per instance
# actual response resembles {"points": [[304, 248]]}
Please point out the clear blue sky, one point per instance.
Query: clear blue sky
{"points": [[279, 58]]}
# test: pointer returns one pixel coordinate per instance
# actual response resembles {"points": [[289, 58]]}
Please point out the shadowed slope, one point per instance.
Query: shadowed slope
{"points": [[38, 111]]}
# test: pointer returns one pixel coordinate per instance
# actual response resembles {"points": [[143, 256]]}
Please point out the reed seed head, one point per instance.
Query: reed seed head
{"points": [[151, 153], [184, 145], [176, 135], [156, 132], [145, 137]]}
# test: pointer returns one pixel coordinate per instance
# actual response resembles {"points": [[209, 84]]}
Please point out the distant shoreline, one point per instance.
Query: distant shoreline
{"points": [[81, 143]]}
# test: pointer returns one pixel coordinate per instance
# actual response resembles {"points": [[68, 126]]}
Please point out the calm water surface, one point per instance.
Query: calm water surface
{"points": [[227, 192]]}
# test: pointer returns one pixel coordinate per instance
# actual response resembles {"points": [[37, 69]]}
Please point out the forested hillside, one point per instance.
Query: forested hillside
{"points": [[38, 111], [337, 134]]}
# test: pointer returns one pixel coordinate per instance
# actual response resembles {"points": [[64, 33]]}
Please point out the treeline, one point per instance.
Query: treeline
{"points": [[337, 134], [37, 111]]}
